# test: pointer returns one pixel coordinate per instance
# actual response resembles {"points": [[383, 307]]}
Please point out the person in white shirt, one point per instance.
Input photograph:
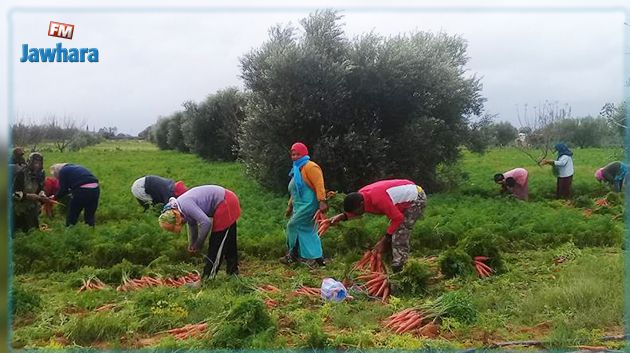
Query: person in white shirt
{"points": [[564, 167]]}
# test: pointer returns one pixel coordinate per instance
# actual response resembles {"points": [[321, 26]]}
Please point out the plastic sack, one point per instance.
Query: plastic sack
{"points": [[333, 290]]}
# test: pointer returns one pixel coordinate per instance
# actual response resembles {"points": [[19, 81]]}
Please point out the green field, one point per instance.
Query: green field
{"points": [[572, 303]]}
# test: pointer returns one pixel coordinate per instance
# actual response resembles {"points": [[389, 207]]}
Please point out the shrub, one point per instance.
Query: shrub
{"points": [[210, 127]]}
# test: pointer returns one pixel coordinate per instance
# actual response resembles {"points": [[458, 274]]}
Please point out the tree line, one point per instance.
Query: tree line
{"points": [[369, 107]]}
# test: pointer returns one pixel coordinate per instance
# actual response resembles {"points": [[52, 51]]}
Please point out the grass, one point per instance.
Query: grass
{"points": [[574, 302]]}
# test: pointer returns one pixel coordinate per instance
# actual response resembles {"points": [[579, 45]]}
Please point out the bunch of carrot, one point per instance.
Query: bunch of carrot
{"points": [[189, 331], [322, 222], [90, 284], [602, 203], [404, 321], [372, 261], [377, 285], [146, 281], [271, 304], [268, 288], [483, 270], [308, 291]]}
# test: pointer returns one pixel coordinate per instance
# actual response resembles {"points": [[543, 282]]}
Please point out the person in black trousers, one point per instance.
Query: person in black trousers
{"points": [[83, 186]]}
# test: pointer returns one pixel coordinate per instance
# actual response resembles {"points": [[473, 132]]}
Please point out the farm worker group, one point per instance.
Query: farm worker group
{"points": [[212, 211], [516, 181]]}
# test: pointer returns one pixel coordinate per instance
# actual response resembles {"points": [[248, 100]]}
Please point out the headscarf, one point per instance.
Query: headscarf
{"points": [[179, 188], [295, 171], [599, 174], [300, 148], [55, 168], [171, 220], [563, 150]]}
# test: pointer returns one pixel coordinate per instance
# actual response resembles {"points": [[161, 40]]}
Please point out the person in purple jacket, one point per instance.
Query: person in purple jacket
{"points": [[206, 209], [83, 186]]}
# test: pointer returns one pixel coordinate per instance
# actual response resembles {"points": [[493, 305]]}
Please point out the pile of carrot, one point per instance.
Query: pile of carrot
{"points": [[372, 261], [268, 288], [377, 285], [308, 291], [404, 321], [483, 270], [90, 284], [322, 223], [146, 281], [188, 331]]}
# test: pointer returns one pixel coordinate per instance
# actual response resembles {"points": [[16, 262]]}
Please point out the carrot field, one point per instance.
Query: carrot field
{"points": [[560, 280]]}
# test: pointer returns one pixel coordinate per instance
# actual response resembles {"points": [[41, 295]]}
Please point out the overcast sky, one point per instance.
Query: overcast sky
{"points": [[150, 63]]}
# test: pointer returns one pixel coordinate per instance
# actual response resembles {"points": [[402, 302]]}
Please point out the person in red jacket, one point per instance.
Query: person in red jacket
{"points": [[402, 201]]}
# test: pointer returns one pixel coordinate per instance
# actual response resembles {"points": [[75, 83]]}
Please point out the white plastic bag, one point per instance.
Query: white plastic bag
{"points": [[333, 290]]}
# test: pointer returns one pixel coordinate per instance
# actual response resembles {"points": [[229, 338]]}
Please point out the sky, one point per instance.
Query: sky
{"points": [[150, 62]]}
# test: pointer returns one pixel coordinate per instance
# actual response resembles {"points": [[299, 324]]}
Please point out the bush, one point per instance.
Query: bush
{"points": [[210, 127], [159, 133], [455, 262], [352, 102]]}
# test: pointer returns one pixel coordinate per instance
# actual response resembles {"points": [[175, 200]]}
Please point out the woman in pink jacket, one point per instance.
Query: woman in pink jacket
{"points": [[515, 182]]}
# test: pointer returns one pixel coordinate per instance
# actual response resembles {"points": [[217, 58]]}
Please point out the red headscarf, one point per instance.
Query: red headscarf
{"points": [[180, 188], [300, 148]]}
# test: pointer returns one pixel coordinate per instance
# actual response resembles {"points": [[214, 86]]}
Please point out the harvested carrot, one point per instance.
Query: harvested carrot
{"points": [[482, 269]]}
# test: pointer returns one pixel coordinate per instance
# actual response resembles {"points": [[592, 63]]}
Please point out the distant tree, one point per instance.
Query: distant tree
{"points": [[615, 116], [504, 133], [108, 132], [210, 128], [61, 132], [160, 133], [175, 135], [481, 134], [543, 128], [146, 133]]}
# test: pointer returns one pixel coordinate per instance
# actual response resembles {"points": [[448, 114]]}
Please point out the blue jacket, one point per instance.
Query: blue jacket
{"points": [[71, 176]]}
